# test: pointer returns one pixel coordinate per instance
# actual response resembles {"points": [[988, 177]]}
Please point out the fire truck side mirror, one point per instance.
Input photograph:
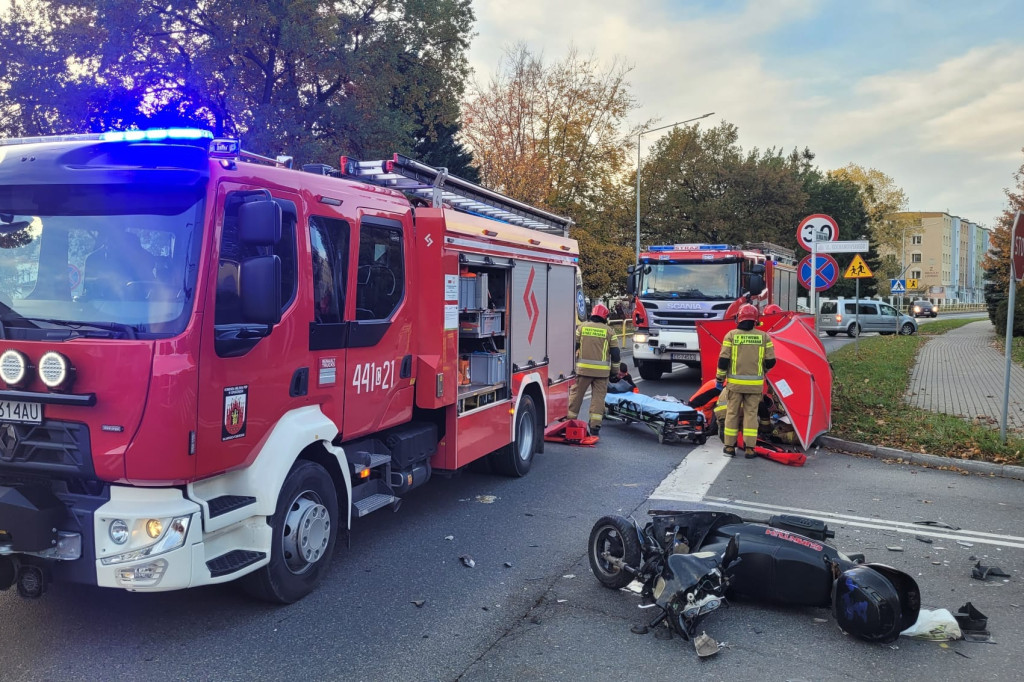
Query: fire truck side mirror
{"points": [[260, 284], [756, 284], [259, 223], [631, 282]]}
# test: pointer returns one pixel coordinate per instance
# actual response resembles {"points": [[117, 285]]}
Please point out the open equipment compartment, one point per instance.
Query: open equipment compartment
{"points": [[484, 369]]}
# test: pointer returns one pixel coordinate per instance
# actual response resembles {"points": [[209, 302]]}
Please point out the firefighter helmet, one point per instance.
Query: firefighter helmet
{"points": [[747, 312], [772, 309], [600, 310]]}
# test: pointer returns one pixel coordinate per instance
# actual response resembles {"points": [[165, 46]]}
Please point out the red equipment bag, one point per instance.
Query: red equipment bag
{"points": [[777, 454], [570, 432]]}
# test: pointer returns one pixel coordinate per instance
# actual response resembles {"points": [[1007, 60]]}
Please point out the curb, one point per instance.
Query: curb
{"points": [[881, 452]]}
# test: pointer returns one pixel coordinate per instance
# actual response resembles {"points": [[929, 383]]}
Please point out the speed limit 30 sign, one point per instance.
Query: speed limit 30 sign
{"points": [[817, 224]]}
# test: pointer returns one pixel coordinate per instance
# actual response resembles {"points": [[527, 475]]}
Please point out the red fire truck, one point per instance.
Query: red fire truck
{"points": [[212, 362], [677, 285]]}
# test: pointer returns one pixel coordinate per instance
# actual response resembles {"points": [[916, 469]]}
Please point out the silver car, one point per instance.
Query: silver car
{"points": [[852, 317]]}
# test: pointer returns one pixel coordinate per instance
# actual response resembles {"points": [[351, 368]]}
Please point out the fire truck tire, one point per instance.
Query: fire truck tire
{"points": [[515, 458], [303, 532], [650, 371]]}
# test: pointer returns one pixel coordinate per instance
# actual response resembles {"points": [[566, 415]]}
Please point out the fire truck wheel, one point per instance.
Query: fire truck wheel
{"points": [[515, 458], [303, 530], [650, 371]]}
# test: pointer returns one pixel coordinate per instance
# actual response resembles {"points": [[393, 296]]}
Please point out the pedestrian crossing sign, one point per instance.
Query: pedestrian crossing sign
{"points": [[858, 269], [897, 286]]}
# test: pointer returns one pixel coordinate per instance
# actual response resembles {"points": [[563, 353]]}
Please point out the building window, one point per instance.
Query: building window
{"points": [[915, 239], [915, 258], [915, 274]]}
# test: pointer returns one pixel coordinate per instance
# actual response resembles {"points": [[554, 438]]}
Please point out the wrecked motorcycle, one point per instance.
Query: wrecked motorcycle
{"points": [[689, 562]]}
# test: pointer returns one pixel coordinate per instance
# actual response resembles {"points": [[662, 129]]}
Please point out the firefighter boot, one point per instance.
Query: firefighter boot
{"points": [[729, 450], [749, 453]]}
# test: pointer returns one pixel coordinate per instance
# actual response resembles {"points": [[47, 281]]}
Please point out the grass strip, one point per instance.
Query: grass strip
{"points": [[868, 406]]}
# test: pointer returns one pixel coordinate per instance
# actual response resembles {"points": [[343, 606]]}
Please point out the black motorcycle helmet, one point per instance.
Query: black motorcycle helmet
{"points": [[875, 602]]}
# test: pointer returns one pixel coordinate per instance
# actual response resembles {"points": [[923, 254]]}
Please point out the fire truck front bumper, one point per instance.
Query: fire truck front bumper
{"points": [[145, 539]]}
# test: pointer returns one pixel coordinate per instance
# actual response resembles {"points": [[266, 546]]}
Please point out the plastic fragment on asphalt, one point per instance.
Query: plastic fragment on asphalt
{"points": [[569, 576], [820, 620], [639, 629], [923, 539], [508, 564], [705, 645], [937, 524], [894, 548], [486, 499], [980, 572], [963, 543], [449, 537], [467, 561], [561, 601], [960, 653], [419, 603]]}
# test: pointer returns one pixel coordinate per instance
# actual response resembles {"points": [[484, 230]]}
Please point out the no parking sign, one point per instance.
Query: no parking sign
{"points": [[826, 275]]}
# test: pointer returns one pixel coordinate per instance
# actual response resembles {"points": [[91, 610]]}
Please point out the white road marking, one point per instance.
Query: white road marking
{"points": [[690, 481], [842, 519]]}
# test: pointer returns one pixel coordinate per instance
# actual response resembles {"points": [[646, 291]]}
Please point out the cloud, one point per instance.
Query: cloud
{"points": [[941, 114]]}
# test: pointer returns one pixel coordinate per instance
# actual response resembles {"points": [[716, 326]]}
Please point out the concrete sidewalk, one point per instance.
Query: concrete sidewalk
{"points": [[962, 373]]}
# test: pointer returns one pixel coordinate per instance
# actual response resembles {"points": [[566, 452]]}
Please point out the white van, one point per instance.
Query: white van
{"points": [[853, 316]]}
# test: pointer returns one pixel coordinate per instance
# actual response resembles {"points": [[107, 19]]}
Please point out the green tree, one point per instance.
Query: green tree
{"points": [[882, 199], [555, 135], [310, 79], [997, 260], [700, 186]]}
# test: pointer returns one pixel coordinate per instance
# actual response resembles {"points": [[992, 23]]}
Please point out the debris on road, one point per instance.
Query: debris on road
{"points": [[963, 543], [923, 539], [937, 524], [569, 576], [639, 629], [894, 548], [705, 645], [449, 537], [973, 623], [937, 625], [467, 561], [980, 572], [508, 564], [419, 603], [486, 499]]}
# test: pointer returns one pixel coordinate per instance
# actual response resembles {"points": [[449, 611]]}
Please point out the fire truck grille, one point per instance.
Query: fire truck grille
{"points": [[53, 447], [664, 318]]}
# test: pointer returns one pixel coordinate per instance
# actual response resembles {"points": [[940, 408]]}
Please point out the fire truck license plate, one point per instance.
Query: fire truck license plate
{"points": [[24, 413], [686, 357]]}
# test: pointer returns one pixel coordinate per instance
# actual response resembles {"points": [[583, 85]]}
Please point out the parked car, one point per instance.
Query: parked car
{"points": [[851, 317], [925, 308]]}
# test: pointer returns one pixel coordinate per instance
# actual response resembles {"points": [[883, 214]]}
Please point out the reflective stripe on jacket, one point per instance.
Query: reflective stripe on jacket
{"points": [[594, 341], [747, 352]]}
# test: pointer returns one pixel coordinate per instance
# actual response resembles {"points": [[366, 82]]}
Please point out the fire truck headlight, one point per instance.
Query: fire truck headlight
{"points": [[639, 338], [56, 371], [118, 531], [174, 534], [14, 368], [154, 528]]}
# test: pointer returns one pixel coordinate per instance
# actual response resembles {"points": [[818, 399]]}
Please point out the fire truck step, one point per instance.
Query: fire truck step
{"points": [[373, 503], [235, 560], [227, 503]]}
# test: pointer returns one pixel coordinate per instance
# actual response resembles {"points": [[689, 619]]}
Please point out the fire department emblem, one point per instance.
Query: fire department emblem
{"points": [[236, 400]]}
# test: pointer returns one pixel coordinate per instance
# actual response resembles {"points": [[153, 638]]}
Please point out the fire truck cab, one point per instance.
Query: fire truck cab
{"points": [[677, 285], [213, 363]]}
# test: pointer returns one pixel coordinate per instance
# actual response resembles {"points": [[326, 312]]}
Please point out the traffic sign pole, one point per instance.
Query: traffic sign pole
{"points": [[856, 318], [1009, 347], [814, 281]]}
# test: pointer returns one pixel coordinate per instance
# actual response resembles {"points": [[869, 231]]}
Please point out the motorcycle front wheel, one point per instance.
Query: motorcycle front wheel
{"points": [[613, 540]]}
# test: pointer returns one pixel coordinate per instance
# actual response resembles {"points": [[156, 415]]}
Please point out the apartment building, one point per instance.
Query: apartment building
{"points": [[944, 254]]}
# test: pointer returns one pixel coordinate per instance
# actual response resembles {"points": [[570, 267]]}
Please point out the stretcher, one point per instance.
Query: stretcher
{"points": [[673, 422]]}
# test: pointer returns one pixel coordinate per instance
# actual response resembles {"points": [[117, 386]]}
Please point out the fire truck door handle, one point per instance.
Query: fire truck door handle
{"points": [[406, 370], [300, 383]]}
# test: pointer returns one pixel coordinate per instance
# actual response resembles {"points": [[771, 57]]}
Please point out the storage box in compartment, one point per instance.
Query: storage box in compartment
{"points": [[479, 324], [473, 292], [487, 368]]}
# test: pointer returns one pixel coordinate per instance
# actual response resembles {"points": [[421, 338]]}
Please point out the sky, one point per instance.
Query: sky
{"points": [[929, 92]]}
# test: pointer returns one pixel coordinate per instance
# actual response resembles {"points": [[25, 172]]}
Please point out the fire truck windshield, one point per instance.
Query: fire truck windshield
{"points": [[89, 263], [691, 281]]}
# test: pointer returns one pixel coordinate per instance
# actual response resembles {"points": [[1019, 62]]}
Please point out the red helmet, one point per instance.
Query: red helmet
{"points": [[772, 309], [600, 310], [747, 312]]}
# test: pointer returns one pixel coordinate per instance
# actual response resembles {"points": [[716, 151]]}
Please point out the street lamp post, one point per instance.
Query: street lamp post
{"points": [[638, 136]]}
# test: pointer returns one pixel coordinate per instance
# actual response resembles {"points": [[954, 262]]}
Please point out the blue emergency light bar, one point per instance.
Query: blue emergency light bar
{"points": [[154, 135], [690, 247]]}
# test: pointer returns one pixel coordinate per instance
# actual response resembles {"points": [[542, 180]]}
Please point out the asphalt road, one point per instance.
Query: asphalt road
{"points": [[543, 616]]}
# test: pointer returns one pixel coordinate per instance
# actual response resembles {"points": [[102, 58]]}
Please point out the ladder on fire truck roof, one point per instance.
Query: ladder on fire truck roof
{"points": [[439, 188]]}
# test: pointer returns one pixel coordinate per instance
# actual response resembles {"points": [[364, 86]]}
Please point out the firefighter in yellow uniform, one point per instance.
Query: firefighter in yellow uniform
{"points": [[747, 354], [597, 348]]}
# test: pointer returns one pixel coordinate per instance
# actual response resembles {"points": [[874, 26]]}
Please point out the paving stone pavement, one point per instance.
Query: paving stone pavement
{"points": [[962, 374]]}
